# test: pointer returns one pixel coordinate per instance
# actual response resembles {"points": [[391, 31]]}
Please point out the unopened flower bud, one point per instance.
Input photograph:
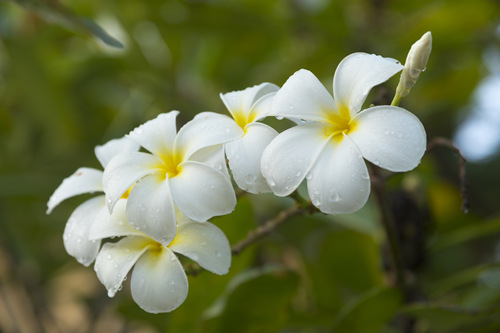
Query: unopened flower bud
{"points": [[415, 63]]}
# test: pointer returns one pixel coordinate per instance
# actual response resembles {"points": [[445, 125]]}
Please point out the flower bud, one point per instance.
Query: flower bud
{"points": [[415, 63]]}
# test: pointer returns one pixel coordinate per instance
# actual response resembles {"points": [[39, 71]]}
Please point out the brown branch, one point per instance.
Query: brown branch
{"points": [[302, 206], [389, 225], [265, 229], [443, 142]]}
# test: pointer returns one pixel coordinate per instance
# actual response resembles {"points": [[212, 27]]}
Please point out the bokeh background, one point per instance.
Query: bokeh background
{"points": [[63, 91]]}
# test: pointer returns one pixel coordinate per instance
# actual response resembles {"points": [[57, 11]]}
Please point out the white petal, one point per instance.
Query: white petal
{"points": [[212, 156], [204, 243], [202, 192], [181, 218], [111, 148], [288, 158], [76, 233], [263, 107], [206, 129], [390, 137], [303, 96], [357, 74], [242, 101], [124, 170], [244, 157], [158, 282], [150, 208], [157, 135], [339, 181], [115, 260], [84, 180], [113, 225]]}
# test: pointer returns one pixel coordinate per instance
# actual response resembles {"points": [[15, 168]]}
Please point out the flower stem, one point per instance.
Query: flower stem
{"points": [[389, 226], [396, 99]]}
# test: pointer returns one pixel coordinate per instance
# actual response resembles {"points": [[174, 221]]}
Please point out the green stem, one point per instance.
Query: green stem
{"points": [[396, 100]]}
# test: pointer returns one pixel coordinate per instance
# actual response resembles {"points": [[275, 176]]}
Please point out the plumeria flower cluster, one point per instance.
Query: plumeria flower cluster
{"points": [[160, 185]]}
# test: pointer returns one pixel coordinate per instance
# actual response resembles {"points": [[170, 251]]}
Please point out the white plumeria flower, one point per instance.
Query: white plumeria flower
{"points": [[158, 282], [87, 180], [243, 154], [184, 170], [328, 149]]}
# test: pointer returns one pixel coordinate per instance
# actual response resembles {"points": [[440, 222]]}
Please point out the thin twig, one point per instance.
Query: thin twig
{"points": [[266, 228], [302, 206], [443, 142]]}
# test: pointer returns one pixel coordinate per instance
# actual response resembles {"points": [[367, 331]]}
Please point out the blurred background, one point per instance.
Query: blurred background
{"points": [[63, 91]]}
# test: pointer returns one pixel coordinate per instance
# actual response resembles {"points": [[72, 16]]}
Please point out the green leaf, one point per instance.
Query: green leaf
{"points": [[369, 312], [443, 318], [256, 301], [465, 234]]}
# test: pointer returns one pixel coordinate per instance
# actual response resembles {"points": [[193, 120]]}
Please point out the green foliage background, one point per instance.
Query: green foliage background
{"points": [[62, 92]]}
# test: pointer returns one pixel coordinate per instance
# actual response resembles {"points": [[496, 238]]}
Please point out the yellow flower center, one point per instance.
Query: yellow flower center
{"points": [[171, 164], [243, 119], [339, 124]]}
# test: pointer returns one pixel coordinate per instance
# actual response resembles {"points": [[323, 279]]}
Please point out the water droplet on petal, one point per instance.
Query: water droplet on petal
{"points": [[172, 257], [218, 254], [316, 202], [109, 257]]}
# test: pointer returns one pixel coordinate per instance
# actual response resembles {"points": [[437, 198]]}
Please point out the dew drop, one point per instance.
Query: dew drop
{"points": [[316, 202], [271, 182], [334, 196], [172, 257], [109, 257], [218, 254], [171, 282], [79, 240], [250, 179], [111, 292], [280, 117]]}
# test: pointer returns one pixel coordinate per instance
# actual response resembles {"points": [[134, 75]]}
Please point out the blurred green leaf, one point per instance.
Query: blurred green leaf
{"points": [[466, 234], [436, 318], [368, 312], [54, 11], [259, 302]]}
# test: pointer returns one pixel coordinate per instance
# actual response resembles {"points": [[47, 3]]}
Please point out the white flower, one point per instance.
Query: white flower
{"points": [[247, 107], [184, 170], [87, 180], [158, 282], [415, 64], [328, 149]]}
